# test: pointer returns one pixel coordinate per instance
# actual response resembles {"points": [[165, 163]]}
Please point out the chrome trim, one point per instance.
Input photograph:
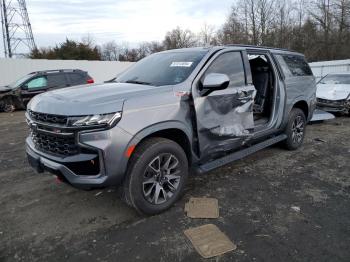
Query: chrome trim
{"points": [[53, 133]]}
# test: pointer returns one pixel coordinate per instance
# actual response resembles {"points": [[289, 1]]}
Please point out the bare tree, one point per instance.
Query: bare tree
{"points": [[342, 20], [321, 12], [178, 38], [318, 28], [207, 35], [232, 32], [110, 51], [88, 40], [266, 15], [251, 18], [154, 47], [256, 18]]}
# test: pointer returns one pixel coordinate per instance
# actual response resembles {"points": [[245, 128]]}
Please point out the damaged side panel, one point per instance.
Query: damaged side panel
{"points": [[224, 114], [224, 119]]}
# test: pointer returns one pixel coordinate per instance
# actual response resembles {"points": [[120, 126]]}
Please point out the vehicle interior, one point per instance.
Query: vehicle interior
{"points": [[263, 80]]}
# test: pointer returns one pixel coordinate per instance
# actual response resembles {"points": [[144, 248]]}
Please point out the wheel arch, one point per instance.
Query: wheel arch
{"points": [[300, 103], [303, 105], [16, 101], [175, 131]]}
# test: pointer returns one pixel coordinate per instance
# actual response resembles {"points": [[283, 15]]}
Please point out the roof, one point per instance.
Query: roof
{"points": [[56, 70], [258, 47], [234, 46]]}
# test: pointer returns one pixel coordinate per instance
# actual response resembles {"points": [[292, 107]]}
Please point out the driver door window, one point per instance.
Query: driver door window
{"points": [[37, 83], [230, 64]]}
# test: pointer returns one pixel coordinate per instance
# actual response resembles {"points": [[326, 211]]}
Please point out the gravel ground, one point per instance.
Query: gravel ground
{"points": [[43, 220]]}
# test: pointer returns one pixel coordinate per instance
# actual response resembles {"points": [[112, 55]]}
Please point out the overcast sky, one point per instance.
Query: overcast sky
{"points": [[130, 21]]}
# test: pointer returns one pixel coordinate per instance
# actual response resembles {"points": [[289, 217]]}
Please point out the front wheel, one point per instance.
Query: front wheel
{"points": [[8, 105], [295, 129], [156, 176]]}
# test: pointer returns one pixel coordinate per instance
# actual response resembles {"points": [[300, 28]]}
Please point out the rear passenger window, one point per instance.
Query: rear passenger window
{"points": [[57, 80], [297, 65], [284, 66], [76, 79], [230, 64]]}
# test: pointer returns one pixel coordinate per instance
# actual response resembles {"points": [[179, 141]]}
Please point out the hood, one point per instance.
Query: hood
{"points": [[333, 91], [88, 99], [5, 89]]}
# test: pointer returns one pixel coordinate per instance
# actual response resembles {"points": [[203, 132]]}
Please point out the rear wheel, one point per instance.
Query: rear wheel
{"points": [[156, 176], [295, 130]]}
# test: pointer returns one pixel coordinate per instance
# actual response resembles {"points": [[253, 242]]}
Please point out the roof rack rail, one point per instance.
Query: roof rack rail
{"points": [[261, 47], [55, 70]]}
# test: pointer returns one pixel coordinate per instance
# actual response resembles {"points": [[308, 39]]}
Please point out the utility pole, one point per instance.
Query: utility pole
{"points": [[17, 32]]}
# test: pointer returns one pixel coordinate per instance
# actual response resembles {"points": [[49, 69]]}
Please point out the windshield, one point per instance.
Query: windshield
{"points": [[336, 79], [20, 81], [163, 68]]}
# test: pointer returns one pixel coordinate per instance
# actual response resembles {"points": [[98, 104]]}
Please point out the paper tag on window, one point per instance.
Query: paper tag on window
{"points": [[181, 64]]}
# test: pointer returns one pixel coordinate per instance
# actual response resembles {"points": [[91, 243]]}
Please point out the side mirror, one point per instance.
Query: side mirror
{"points": [[214, 81], [24, 87]]}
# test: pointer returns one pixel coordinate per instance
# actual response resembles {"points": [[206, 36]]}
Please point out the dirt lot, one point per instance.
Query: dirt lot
{"points": [[42, 220]]}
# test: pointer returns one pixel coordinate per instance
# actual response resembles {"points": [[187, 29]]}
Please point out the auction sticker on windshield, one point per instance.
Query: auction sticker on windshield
{"points": [[181, 64]]}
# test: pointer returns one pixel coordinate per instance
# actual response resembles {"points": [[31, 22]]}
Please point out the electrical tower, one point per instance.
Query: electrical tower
{"points": [[16, 29]]}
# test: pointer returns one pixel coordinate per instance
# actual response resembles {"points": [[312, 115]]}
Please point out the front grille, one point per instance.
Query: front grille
{"points": [[48, 118], [55, 144]]}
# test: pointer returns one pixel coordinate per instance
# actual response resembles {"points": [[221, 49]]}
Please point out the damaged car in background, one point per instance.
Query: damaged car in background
{"points": [[17, 95], [188, 109], [333, 93]]}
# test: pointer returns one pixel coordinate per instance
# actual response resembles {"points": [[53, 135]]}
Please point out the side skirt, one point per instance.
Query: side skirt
{"points": [[240, 154]]}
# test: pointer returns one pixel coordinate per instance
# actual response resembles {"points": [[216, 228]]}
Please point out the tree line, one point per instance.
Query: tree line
{"points": [[318, 28]]}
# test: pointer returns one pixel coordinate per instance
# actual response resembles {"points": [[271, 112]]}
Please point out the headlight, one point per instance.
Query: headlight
{"points": [[95, 120]]}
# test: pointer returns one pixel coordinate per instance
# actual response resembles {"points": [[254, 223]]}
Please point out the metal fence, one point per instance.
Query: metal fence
{"points": [[13, 69], [320, 69]]}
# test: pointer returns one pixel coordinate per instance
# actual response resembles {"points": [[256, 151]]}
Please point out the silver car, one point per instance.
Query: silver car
{"points": [[172, 113], [333, 93]]}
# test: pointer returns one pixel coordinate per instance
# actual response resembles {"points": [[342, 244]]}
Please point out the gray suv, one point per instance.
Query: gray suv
{"points": [[171, 113]]}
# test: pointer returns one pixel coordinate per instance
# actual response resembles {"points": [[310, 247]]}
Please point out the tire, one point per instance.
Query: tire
{"points": [[8, 106], [295, 129], [156, 176]]}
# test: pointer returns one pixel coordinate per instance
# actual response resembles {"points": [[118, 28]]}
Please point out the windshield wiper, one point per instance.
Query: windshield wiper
{"points": [[138, 82]]}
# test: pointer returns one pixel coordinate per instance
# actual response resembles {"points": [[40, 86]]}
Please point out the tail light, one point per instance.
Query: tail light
{"points": [[90, 81]]}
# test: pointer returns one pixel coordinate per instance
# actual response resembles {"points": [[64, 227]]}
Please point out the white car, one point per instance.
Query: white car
{"points": [[333, 93]]}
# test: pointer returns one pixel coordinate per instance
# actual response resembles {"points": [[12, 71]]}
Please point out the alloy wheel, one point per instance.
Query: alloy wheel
{"points": [[298, 130], [161, 179]]}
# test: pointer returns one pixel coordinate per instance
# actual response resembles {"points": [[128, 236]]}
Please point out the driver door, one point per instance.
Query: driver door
{"points": [[224, 117]]}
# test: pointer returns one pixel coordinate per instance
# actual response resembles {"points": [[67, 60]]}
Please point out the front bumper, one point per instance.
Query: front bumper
{"points": [[341, 106], [110, 147]]}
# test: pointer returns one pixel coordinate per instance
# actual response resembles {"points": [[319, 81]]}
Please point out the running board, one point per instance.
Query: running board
{"points": [[240, 154]]}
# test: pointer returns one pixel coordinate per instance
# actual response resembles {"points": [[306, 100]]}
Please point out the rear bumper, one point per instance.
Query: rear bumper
{"points": [[110, 146]]}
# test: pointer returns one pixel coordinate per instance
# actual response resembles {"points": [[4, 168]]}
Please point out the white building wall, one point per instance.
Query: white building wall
{"points": [[320, 69], [12, 69]]}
